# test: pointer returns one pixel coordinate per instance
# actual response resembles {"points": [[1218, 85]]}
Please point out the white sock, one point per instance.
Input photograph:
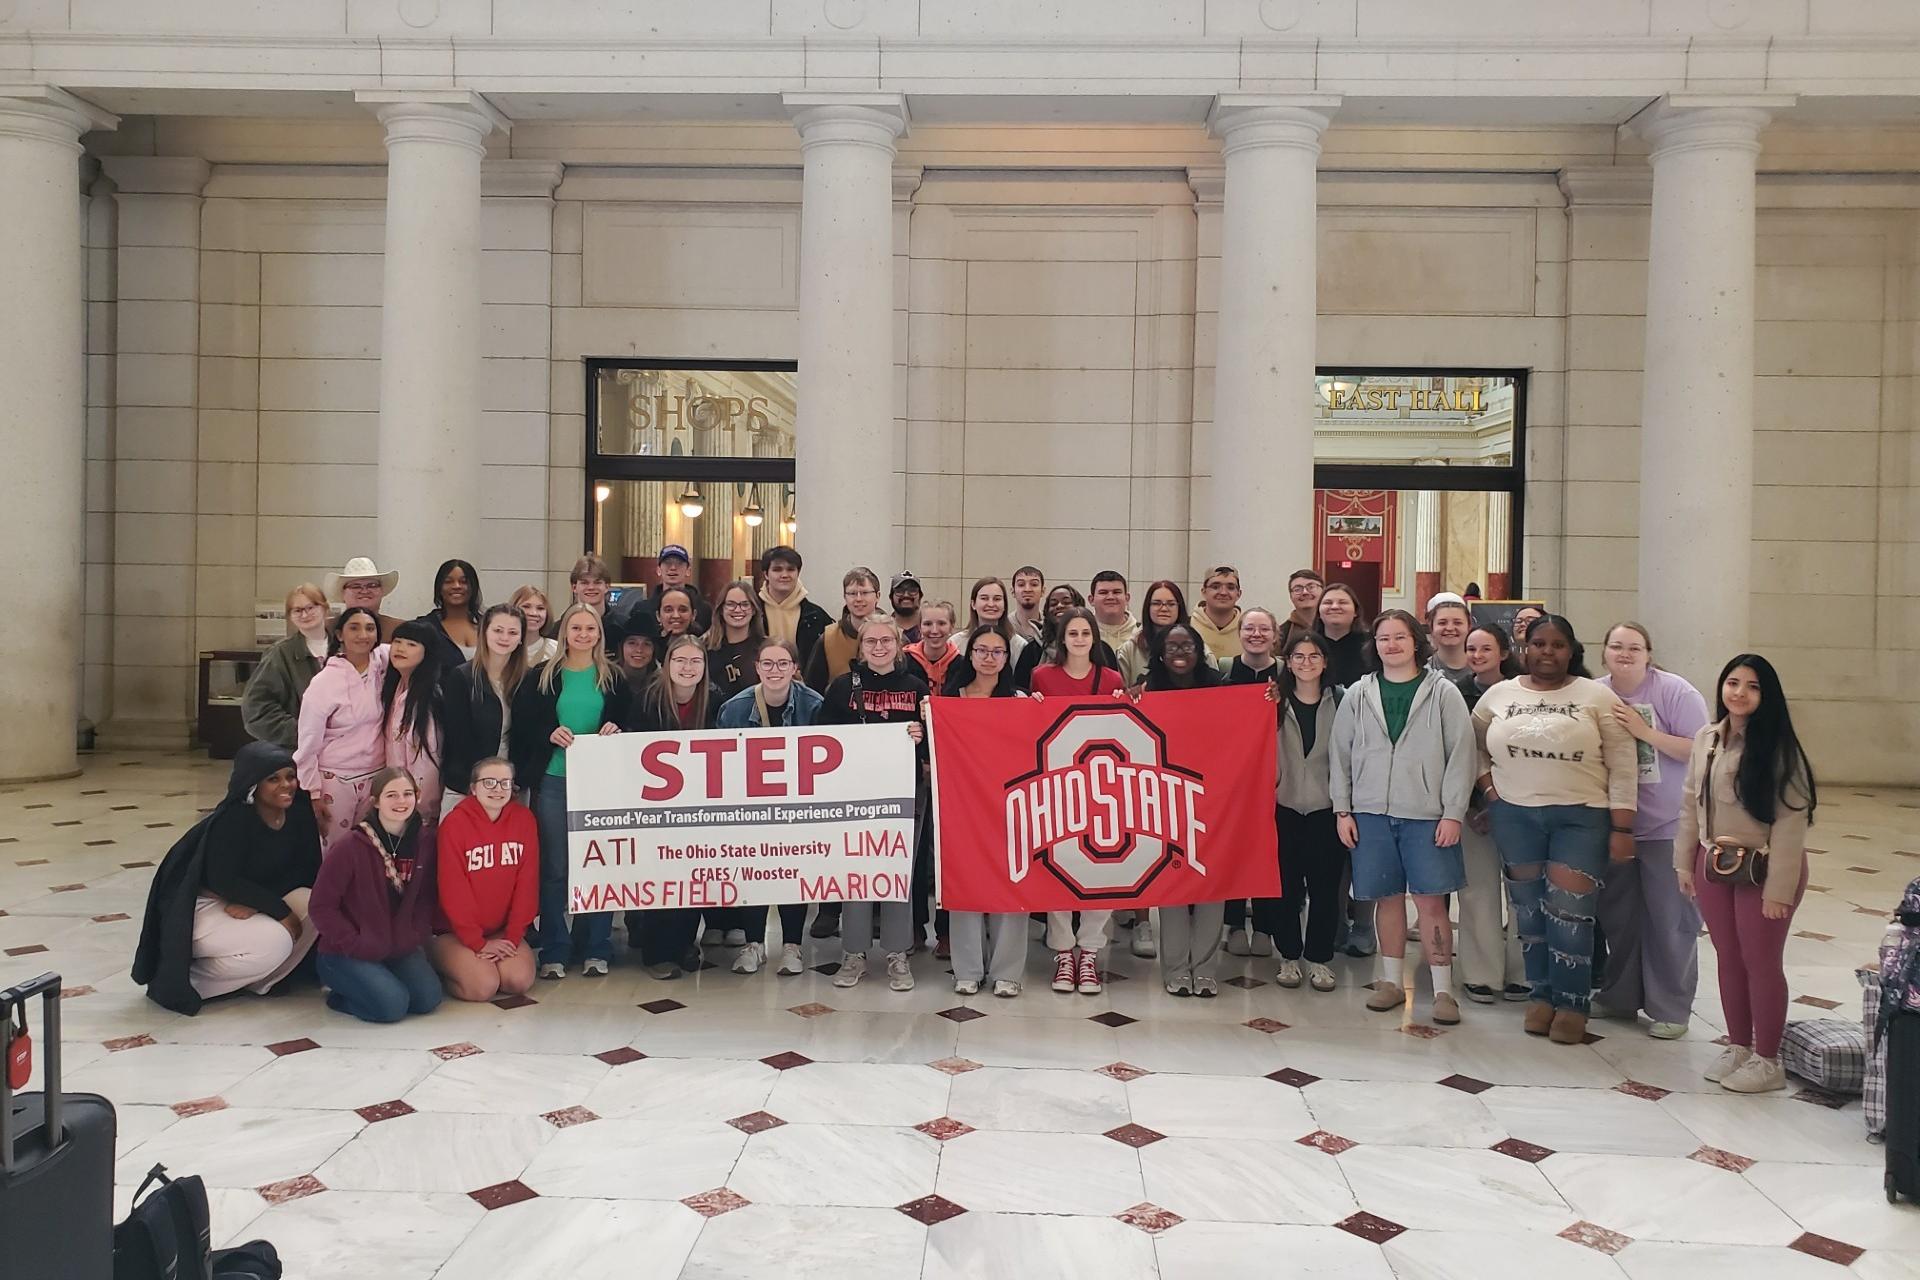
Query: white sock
{"points": [[1442, 979], [1392, 969]]}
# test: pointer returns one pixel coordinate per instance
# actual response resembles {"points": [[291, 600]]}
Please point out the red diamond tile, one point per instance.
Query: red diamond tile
{"points": [[1331, 1143], [1113, 1019], [1150, 1218], [756, 1122], [954, 1066], [1271, 1026], [32, 950], [711, 1204], [813, 1010], [282, 1048], [1369, 1226], [928, 1210], [1635, 1089], [960, 1013], [568, 1117], [787, 1061], [198, 1107], [945, 1128], [662, 1006], [1596, 1237], [379, 1111], [1866, 871], [1869, 911], [1722, 1159], [1817, 1002], [1522, 1150], [1124, 1071], [1592, 1037], [1821, 1098], [94, 844], [502, 1194], [1421, 1031], [1838, 1251], [31, 862], [1811, 936], [1243, 982], [1290, 1076], [621, 1056], [292, 1189], [112, 918], [66, 888], [1134, 1135], [448, 1052], [1819, 888], [519, 1001], [1466, 1084], [74, 993], [140, 1041]]}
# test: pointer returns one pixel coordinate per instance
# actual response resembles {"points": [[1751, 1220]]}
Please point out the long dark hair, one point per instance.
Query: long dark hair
{"points": [[1774, 760], [1503, 641], [340, 626], [1577, 661], [1297, 638], [474, 604], [1422, 647], [1102, 654], [961, 673], [1148, 637], [1049, 630], [1205, 674], [424, 706]]}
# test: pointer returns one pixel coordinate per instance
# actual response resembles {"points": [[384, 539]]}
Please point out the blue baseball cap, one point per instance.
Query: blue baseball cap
{"points": [[674, 551]]}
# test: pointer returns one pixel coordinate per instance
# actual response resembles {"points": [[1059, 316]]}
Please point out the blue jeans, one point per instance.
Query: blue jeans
{"points": [[373, 991], [1398, 855], [555, 941], [1555, 924]]}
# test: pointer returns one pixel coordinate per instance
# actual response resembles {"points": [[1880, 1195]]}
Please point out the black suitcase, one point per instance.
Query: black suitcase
{"points": [[56, 1164], [1903, 1106]]}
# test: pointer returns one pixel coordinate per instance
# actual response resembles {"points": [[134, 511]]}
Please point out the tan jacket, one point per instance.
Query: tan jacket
{"points": [[1785, 840]]}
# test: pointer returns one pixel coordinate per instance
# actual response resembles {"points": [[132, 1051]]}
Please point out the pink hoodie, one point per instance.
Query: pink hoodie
{"points": [[340, 722]]}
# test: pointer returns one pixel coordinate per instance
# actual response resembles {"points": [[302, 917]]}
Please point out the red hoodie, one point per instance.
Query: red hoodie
{"points": [[489, 873]]}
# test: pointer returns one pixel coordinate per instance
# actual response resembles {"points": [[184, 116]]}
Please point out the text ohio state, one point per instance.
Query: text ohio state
{"points": [[1103, 801]]}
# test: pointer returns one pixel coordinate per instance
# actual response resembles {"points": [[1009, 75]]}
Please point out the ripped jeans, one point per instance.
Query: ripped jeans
{"points": [[1555, 857]]}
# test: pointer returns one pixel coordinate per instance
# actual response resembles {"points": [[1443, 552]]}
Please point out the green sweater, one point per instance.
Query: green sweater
{"points": [[270, 708]]}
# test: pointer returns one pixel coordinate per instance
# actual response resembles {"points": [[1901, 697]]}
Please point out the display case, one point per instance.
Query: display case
{"points": [[223, 683]]}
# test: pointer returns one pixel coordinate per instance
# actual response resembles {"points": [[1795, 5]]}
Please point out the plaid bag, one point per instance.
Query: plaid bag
{"points": [[1874, 1092], [1827, 1052]]}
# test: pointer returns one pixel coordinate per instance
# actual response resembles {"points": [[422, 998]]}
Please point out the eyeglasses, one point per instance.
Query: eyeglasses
{"points": [[1303, 588], [307, 608], [1307, 656], [877, 642], [689, 661], [738, 604], [493, 784], [1181, 646], [998, 655], [775, 664], [860, 593]]}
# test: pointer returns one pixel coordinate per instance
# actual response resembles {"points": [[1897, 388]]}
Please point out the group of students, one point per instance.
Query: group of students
{"points": [[1425, 761]]}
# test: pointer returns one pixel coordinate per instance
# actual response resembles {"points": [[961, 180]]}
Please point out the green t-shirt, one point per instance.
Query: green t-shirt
{"points": [[1396, 700], [578, 708]]}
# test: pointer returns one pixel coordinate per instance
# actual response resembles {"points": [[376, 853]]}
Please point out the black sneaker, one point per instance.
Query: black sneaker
{"points": [[1517, 992], [826, 922], [1479, 994]]}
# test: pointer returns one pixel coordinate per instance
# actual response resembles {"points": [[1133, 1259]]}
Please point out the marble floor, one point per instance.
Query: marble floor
{"points": [[728, 1126]]}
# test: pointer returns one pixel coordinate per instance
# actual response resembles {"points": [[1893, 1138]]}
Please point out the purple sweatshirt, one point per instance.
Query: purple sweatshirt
{"points": [[354, 907], [1671, 705]]}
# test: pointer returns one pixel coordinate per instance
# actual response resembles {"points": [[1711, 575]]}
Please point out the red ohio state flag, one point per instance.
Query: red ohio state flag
{"points": [[1059, 804]]}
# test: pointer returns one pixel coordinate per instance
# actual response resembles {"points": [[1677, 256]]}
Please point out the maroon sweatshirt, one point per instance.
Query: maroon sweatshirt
{"points": [[355, 909]]}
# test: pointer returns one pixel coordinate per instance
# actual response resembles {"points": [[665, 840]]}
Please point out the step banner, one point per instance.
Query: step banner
{"points": [[712, 818], [1058, 804]]}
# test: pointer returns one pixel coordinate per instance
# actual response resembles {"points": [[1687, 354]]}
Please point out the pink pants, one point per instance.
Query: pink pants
{"points": [[1752, 950], [347, 797]]}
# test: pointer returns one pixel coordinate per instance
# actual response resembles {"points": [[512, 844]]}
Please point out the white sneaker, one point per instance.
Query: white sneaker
{"points": [[1262, 945], [965, 987], [1320, 977], [899, 975], [1731, 1059], [852, 968], [1667, 1030], [594, 968], [1289, 974], [1006, 990], [1757, 1075], [791, 965], [736, 937], [553, 971], [712, 938], [1143, 944], [751, 957], [1240, 942]]}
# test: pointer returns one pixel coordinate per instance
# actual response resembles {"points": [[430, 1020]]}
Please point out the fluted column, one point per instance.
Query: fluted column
{"points": [[42, 427], [1696, 434], [429, 476], [1260, 505], [843, 432]]}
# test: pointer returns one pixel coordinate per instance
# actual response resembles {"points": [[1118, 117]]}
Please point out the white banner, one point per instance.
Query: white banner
{"points": [[740, 817]]}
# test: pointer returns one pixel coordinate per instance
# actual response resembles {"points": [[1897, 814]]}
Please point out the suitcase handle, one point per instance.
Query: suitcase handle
{"points": [[47, 987]]}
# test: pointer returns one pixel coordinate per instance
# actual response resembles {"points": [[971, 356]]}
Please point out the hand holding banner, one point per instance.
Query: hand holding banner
{"points": [[1056, 805], [714, 818]]}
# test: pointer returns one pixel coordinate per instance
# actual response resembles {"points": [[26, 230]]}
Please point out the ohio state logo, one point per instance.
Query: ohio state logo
{"points": [[1103, 810]]}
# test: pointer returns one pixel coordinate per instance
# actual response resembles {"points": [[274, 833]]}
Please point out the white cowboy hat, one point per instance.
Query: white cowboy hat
{"points": [[357, 568]]}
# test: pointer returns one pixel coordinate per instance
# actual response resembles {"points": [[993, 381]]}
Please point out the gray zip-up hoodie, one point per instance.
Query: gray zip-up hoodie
{"points": [[1428, 774]]}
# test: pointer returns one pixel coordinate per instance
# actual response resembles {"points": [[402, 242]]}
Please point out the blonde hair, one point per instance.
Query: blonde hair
{"points": [[519, 601], [305, 590], [603, 672]]}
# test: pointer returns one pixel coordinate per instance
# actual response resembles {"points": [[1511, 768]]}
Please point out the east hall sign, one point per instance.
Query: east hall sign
{"points": [[1382, 399]]}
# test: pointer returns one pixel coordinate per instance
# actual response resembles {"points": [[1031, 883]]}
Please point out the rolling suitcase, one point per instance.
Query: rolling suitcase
{"points": [[1903, 1107], [56, 1162]]}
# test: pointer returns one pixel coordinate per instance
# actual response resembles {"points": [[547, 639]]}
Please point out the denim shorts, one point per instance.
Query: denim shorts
{"points": [[1573, 835], [1398, 855]]}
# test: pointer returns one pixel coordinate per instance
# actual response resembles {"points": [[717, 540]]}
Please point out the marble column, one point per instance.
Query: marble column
{"points": [[844, 428], [1696, 433], [429, 476], [42, 427], [1260, 459], [1499, 546]]}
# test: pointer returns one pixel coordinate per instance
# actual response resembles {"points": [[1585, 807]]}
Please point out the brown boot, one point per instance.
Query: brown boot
{"points": [[1568, 1027], [1538, 1018]]}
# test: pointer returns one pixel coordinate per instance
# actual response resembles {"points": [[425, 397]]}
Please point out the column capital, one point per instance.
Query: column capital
{"points": [[1607, 185], [49, 114], [1248, 121], [1694, 121], [157, 175], [533, 179], [857, 119], [455, 117], [1209, 183]]}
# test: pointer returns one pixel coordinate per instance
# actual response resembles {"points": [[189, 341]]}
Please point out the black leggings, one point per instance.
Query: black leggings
{"points": [[1311, 859], [793, 923]]}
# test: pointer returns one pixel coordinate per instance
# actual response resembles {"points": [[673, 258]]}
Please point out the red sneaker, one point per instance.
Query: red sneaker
{"points": [[1089, 973], [1063, 971]]}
